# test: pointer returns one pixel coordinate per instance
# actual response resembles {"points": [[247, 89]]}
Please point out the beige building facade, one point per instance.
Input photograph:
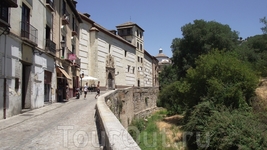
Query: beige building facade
{"points": [[116, 57]]}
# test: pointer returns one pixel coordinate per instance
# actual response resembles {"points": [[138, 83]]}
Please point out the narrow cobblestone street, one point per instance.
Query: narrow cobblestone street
{"points": [[69, 125]]}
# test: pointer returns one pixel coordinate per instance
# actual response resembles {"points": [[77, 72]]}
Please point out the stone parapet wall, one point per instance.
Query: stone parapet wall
{"points": [[115, 111]]}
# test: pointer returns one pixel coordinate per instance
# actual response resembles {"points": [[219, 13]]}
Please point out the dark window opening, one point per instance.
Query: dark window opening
{"points": [[125, 53], [73, 49], [63, 48], [129, 31], [4, 13], [64, 7], [47, 32], [129, 68], [25, 21]]}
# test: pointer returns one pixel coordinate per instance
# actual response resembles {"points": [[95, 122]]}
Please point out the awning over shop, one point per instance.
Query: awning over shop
{"points": [[64, 73]]}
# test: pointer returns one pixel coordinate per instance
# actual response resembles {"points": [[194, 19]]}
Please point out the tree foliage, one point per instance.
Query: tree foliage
{"points": [[172, 97], [199, 38], [167, 76], [264, 21], [254, 51], [217, 74], [220, 127], [222, 78]]}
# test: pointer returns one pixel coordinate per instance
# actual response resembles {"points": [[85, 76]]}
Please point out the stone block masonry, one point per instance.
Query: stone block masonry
{"points": [[115, 111]]}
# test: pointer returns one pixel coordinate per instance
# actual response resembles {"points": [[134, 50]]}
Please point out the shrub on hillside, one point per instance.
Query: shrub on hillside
{"points": [[171, 97], [218, 127]]}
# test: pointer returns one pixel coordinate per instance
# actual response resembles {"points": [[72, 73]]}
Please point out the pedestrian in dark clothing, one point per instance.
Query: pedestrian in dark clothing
{"points": [[97, 90]]}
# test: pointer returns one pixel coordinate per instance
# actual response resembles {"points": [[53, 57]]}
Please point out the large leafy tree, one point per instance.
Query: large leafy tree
{"points": [[199, 38]]}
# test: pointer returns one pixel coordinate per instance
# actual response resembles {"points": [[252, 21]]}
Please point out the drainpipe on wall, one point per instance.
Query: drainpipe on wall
{"points": [[5, 89]]}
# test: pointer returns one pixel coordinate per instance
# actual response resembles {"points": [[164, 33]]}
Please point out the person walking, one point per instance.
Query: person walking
{"points": [[85, 89], [97, 90]]}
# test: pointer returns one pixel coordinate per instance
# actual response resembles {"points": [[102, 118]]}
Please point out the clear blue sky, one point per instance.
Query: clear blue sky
{"points": [[162, 19]]}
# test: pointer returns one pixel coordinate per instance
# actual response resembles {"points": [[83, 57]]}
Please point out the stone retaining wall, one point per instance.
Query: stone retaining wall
{"points": [[115, 111]]}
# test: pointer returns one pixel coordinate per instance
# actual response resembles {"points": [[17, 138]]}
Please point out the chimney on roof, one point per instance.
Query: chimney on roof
{"points": [[74, 3], [87, 15], [160, 50], [113, 31]]}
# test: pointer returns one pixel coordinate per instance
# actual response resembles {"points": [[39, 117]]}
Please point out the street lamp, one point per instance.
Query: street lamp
{"points": [[81, 76]]}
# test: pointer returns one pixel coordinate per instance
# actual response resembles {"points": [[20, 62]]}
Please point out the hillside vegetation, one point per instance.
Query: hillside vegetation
{"points": [[217, 82]]}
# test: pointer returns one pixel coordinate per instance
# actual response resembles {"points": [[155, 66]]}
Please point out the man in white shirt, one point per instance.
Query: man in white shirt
{"points": [[85, 89]]}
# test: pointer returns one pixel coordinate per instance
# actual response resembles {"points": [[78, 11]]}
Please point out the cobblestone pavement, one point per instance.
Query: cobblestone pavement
{"points": [[60, 126]]}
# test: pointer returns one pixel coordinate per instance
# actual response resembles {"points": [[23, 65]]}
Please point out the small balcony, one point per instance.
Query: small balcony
{"points": [[50, 47], [29, 33], [50, 4], [10, 3], [66, 18], [75, 30]]}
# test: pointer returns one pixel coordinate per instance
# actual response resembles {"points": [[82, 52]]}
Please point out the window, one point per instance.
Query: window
{"points": [[141, 34], [47, 32], [141, 60], [141, 47], [73, 23], [129, 68], [133, 69], [137, 45], [63, 7], [4, 13], [25, 21], [138, 58], [73, 49], [137, 33], [109, 47], [63, 48], [125, 53], [129, 31]]}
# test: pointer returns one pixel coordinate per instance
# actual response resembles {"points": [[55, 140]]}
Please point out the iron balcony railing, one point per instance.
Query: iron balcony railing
{"points": [[51, 46], [30, 32], [50, 2]]}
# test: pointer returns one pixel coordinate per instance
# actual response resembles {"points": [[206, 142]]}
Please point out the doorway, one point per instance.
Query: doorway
{"points": [[26, 87], [110, 81]]}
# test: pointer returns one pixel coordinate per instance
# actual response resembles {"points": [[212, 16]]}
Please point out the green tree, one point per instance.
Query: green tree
{"points": [[264, 21], [199, 38], [254, 51], [167, 76], [222, 78]]}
